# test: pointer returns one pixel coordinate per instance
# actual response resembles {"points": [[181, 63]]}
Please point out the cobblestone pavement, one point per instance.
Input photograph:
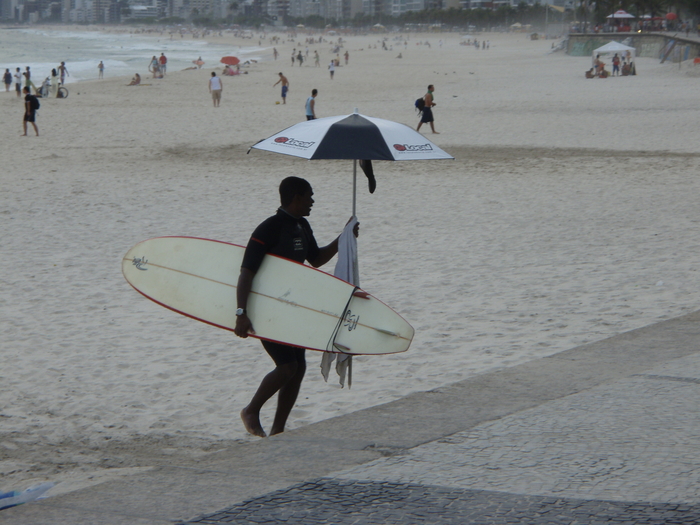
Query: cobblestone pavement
{"points": [[637, 439], [367, 503], [623, 452]]}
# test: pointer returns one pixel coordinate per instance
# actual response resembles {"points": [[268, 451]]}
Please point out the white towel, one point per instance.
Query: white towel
{"points": [[348, 270]]}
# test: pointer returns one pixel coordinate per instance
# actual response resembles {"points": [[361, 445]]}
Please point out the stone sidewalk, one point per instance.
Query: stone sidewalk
{"points": [[604, 433]]}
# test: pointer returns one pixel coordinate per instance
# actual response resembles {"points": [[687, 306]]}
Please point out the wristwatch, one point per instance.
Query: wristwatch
{"points": [[240, 312]]}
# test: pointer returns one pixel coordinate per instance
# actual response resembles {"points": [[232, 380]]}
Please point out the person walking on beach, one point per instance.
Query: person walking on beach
{"points": [[427, 113], [18, 82], [285, 87], [63, 70], [101, 69], [31, 104], [7, 79], [215, 88], [163, 63], [311, 105], [28, 80], [154, 67], [317, 59], [287, 234], [331, 68]]}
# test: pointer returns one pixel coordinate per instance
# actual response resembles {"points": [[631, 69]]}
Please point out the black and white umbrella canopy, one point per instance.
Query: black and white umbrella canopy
{"points": [[352, 137], [355, 137]]}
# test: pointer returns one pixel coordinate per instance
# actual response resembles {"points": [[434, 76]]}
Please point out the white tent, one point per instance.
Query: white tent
{"points": [[612, 47], [620, 14]]}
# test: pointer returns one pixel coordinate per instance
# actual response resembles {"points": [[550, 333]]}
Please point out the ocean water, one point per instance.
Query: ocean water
{"points": [[123, 54]]}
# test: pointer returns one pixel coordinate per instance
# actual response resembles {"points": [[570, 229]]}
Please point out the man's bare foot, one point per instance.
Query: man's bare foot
{"points": [[251, 422], [23, 135], [436, 132], [274, 431]]}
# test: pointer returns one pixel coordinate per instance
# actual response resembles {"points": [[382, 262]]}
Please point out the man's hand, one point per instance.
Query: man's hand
{"points": [[356, 229], [243, 326], [245, 284]]}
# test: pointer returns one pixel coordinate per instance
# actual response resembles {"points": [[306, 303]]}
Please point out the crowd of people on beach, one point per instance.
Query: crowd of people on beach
{"points": [[48, 88], [621, 65], [158, 66], [51, 87]]}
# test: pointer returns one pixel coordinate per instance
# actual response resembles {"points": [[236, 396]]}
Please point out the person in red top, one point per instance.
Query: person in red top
{"points": [[163, 61], [616, 65]]}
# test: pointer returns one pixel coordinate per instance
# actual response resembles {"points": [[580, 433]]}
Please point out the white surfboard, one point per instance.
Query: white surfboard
{"points": [[290, 303]]}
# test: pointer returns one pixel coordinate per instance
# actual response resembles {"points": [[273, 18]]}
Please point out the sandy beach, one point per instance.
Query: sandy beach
{"points": [[568, 215]]}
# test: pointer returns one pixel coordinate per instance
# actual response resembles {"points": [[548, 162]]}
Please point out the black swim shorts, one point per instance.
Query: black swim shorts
{"points": [[283, 354]]}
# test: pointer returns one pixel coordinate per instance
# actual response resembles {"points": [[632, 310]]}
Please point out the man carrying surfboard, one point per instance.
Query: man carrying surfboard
{"points": [[286, 234]]}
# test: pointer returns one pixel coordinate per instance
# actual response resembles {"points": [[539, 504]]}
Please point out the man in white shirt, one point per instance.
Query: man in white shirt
{"points": [[18, 82], [215, 88]]}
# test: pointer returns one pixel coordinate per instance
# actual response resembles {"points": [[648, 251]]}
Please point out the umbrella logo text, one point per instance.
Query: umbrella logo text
{"points": [[413, 147], [294, 142]]}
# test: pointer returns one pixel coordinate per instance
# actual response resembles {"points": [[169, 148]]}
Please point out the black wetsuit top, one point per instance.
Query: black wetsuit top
{"points": [[281, 235]]}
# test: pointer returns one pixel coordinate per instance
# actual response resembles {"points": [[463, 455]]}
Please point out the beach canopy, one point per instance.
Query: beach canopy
{"points": [[621, 14], [671, 16], [613, 47], [231, 61]]}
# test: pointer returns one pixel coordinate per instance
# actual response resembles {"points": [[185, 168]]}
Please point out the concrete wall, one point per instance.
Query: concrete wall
{"points": [[646, 44]]}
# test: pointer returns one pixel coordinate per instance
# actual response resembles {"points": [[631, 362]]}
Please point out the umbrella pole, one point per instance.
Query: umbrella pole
{"points": [[354, 187]]}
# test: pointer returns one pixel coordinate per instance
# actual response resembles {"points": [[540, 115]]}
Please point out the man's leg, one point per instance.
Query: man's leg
{"points": [[272, 383], [287, 398], [24, 126]]}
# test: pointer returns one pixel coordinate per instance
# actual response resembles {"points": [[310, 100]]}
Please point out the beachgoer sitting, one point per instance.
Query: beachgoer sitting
{"points": [[598, 65], [135, 81], [590, 73]]}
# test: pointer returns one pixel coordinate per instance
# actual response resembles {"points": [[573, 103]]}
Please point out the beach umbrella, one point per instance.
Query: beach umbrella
{"points": [[671, 16], [230, 61], [354, 137]]}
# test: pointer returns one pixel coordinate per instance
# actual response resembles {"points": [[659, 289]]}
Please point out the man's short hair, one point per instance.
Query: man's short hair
{"points": [[430, 87], [291, 187], [314, 92]]}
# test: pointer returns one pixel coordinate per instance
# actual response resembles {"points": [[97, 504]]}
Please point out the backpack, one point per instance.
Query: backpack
{"points": [[420, 104], [34, 103]]}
